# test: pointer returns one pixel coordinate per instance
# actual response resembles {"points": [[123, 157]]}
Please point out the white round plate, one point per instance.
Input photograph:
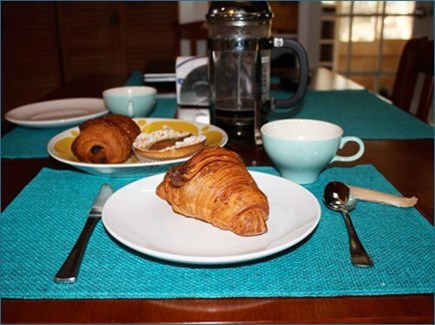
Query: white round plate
{"points": [[57, 113], [59, 147], [138, 218]]}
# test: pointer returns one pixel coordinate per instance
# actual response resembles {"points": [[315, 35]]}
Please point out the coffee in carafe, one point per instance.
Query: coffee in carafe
{"points": [[239, 49]]}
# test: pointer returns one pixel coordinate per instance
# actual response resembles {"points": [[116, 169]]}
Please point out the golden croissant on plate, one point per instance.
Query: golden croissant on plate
{"points": [[215, 186], [105, 140]]}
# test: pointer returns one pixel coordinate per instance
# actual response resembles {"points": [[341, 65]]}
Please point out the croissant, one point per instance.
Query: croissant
{"points": [[215, 186], [105, 140]]}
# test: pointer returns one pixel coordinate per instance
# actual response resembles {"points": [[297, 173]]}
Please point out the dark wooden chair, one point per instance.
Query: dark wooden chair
{"points": [[416, 59]]}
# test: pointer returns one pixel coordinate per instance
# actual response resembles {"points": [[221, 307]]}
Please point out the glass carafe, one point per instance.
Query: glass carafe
{"points": [[239, 48]]}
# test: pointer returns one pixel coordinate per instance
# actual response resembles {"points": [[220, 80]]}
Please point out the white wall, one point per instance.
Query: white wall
{"points": [[192, 11], [189, 12], [309, 26]]}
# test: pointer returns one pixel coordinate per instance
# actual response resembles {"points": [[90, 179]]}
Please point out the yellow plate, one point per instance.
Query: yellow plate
{"points": [[59, 147]]}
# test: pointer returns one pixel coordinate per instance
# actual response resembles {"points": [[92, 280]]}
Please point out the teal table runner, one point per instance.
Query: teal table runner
{"points": [[358, 112], [135, 78], [40, 226]]}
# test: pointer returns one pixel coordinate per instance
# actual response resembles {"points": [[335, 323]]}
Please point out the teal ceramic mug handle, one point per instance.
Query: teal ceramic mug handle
{"points": [[130, 108], [345, 140]]}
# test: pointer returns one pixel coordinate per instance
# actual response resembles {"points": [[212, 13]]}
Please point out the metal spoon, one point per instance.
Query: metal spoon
{"points": [[337, 197]]}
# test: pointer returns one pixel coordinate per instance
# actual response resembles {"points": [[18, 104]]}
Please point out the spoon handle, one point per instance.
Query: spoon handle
{"points": [[358, 254]]}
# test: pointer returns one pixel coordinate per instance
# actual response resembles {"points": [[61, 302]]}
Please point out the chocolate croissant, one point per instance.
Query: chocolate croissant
{"points": [[215, 186], [105, 140]]}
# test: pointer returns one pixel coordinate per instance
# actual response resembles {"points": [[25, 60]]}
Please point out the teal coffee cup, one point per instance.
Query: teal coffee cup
{"points": [[134, 101], [302, 148]]}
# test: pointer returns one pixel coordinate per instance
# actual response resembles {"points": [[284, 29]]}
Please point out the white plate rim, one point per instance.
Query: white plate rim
{"points": [[221, 260], [95, 105], [53, 140]]}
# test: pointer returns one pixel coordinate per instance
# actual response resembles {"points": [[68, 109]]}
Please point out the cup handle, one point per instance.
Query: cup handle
{"points": [[130, 108], [356, 156]]}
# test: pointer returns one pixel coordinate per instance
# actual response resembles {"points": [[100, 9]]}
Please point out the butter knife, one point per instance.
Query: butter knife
{"points": [[70, 268]]}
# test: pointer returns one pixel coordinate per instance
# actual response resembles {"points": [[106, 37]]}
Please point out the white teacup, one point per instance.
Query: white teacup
{"points": [[302, 148], [134, 101]]}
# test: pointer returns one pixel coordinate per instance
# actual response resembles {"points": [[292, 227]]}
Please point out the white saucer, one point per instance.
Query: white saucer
{"points": [[57, 113]]}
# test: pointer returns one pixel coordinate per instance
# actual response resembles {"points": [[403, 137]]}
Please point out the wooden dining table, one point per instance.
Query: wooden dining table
{"points": [[407, 164]]}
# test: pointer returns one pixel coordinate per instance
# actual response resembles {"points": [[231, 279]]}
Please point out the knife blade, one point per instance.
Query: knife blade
{"points": [[69, 270]]}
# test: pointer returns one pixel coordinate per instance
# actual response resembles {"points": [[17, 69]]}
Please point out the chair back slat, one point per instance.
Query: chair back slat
{"points": [[416, 59], [194, 33], [426, 98]]}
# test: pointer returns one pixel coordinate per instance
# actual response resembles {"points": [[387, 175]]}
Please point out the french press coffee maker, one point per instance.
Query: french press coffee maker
{"points": [[239, 47]]}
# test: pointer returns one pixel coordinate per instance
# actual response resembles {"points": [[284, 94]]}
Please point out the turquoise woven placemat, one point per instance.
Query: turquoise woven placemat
{"points": [[359, 113], [40, 226]]}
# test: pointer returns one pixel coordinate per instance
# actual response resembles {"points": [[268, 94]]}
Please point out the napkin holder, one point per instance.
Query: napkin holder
{"points": [[192, 81]]}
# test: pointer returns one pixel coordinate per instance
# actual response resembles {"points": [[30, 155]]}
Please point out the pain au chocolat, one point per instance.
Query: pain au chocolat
{"points": [[105, 140]]}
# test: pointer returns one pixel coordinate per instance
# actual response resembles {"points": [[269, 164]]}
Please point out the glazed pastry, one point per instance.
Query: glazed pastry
{"points": [[215, 186], [166, 144], [105, 140]]}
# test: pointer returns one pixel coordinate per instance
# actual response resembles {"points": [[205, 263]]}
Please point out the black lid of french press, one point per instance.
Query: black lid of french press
{"points": [[239, 10]]}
